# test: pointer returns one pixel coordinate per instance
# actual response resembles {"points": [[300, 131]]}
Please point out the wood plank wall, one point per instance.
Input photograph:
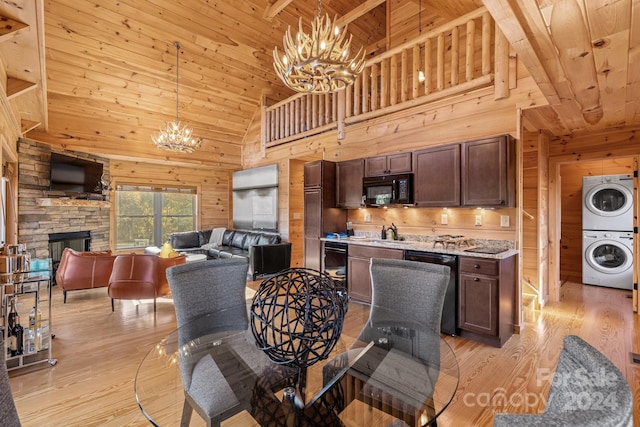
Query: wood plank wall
{"points": [[530, 170], [295, 211], [535, 202], [214, 188]]}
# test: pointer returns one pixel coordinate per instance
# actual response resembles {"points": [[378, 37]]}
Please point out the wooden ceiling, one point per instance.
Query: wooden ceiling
{"points": [[110, 66]]}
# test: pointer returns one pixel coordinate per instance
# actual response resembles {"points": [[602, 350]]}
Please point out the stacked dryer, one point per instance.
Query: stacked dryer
{"points": [[607, 231]]}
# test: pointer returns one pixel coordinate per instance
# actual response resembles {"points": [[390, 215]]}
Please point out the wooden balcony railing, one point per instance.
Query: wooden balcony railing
{"points": [[453, 58]]}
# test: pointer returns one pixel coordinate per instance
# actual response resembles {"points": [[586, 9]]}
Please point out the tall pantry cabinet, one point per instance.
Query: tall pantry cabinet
{"points": [[321, 216]]}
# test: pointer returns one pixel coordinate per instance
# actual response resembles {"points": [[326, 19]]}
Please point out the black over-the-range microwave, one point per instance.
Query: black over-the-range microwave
{"points": [[387, 190]]}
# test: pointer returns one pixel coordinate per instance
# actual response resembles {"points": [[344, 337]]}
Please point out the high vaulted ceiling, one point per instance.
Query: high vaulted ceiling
{"points": [[110, 65]]}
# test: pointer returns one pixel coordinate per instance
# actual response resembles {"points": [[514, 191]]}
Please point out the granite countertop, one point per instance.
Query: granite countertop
{"points": [[425, 246]]}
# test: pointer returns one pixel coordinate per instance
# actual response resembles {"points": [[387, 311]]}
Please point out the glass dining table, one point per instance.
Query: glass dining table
{"points": [[383, 370]]}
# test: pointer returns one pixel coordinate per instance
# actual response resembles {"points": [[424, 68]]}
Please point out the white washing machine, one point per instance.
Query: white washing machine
{"points": [[607, 258], [607, 202]]}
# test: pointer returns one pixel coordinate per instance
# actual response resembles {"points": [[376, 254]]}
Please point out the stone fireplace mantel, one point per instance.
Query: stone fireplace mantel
{"points": [[49, 201]]}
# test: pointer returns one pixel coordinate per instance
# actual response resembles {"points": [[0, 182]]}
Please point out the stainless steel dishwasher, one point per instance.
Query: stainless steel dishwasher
{"points": [[449, 324]]}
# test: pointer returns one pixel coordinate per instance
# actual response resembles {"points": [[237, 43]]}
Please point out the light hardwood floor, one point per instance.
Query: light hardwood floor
{"points": [[98, 352]]}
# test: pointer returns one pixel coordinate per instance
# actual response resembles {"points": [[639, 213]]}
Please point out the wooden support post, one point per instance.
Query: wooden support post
{"points": [[470, 50], [404, 84], [415, 72], [374, 87], [385, 81], [486, 43], [502, 66], [455, 55], [428, 73], [393, 89], [440, 62]]}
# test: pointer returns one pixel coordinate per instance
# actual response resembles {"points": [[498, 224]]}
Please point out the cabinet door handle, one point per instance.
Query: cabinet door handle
{"points": [[475, 279], [476, 266]]}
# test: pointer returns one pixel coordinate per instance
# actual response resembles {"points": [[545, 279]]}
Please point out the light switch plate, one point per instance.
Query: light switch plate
{"points": [[504, 220], [296, 215], [443, 219], [478, 219]]}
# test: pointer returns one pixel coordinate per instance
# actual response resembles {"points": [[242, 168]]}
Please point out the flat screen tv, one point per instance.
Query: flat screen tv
{"points": [[74, 175]]}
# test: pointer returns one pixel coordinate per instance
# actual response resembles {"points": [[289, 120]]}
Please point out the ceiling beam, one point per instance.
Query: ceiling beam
{"points": [[569, 33], [275, 8], [356, 13], [348, 17], [522, 23]]}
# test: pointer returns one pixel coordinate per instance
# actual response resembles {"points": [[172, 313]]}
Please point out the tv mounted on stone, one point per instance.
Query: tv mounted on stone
{"points": [[74, 175]]}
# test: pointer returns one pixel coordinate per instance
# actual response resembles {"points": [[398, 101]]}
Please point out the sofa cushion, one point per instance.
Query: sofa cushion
{"points": [[186, 239], [235, 252], [227, 237], [268, 239], [238, 239], [250, 240], [204, 236]]}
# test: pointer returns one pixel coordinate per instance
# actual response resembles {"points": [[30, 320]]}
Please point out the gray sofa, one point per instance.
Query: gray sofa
{"points": [[266, 252]]}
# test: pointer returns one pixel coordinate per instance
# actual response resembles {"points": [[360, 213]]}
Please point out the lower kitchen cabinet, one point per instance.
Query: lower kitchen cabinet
{"points": [[486, 305], [359, 277]]}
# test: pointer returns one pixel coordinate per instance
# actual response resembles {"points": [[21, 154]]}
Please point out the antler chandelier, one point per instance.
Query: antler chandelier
{"points": [[318, 62], [175, 136]]}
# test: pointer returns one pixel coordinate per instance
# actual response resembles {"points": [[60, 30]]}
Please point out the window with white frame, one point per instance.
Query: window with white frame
{"points": [[147, 215]]}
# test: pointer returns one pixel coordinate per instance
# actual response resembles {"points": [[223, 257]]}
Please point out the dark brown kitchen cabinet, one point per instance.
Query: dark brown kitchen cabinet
{"points": [[389, 164], [349, 176], [358, 275], [488, 172], [321, 216], [313, 174], [486, 299], [436, 176]]}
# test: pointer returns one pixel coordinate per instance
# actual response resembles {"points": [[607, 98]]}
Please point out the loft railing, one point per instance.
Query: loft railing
{"points": [[454, 58]]}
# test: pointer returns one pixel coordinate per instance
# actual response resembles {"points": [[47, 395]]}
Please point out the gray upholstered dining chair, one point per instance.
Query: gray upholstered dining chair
{"points": [[406, 296], [200, 289], [8, 413], [587, 391], [415, 289]]}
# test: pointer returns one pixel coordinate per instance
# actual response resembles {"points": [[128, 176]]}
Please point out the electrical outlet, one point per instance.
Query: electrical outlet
{"points": [[296, 215], [504, 220], [367, 217], [443, 219], [478, 219]]}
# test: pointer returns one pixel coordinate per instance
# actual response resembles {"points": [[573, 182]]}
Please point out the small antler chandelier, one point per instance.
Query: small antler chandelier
{"points": [[175, 136], [318, 62]]}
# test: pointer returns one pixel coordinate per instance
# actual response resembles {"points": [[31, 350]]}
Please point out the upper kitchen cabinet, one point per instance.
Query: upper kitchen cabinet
{"points": [[488, 172], [349, 176], [436, 176], [22, 69], [389, 164], [313, 174]]}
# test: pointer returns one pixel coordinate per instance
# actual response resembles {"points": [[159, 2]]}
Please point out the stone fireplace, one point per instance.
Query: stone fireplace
{"points": [[42, 213]]}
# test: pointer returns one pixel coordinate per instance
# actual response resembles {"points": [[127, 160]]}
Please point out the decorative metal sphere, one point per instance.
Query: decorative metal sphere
{"points": [[297, 316]]}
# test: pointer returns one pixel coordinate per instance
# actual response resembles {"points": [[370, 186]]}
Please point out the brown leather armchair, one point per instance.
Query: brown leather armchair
{"points": [[83, 270], [140, 276]]}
